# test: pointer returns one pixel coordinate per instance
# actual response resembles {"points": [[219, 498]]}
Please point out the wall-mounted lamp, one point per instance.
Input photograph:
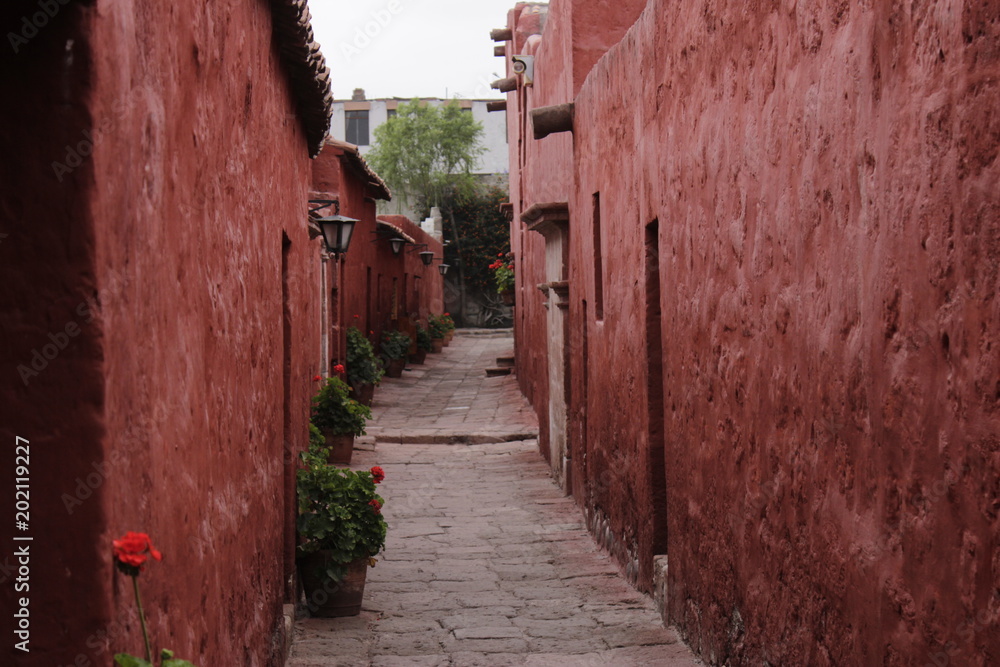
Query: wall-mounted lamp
{"points": [[427, 257], [397, 245], [443, 268], [337, 229]]}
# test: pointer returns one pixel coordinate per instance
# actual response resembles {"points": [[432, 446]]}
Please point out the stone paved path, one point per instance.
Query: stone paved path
{"points": [[449, 399], [486, 563]]}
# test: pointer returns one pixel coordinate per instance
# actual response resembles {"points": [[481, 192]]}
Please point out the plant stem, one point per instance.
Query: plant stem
{"points": [[142, 619]]}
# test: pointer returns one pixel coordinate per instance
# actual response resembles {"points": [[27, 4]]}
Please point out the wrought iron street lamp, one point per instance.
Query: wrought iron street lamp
{"points": [[337, 229]]}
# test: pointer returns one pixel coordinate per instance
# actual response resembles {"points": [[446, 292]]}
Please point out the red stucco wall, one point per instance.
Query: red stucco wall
{"points": [[361, 283], [824, 181], [176, 408]]}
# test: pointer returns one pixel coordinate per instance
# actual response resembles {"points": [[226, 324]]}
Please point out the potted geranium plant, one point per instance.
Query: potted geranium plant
{"points": [[423, 340], [341, 530], [437, 330], [449, 328], [339, 418], [503, 275], [363, 368], [395, 345]]}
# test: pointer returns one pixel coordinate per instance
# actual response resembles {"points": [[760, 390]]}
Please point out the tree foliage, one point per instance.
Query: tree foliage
{"points": [[485, 235], [427, 151]]}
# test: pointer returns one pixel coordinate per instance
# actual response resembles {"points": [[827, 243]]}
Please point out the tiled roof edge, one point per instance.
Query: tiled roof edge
{"points": [[305, 67]]}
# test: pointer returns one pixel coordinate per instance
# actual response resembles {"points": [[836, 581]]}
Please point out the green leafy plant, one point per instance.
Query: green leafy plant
{"points": [[436, 326], [131, 552], [503, 272], [335, 411], [339, 513], [447, 322], [362, 365], [423, 339], [395, 344]]}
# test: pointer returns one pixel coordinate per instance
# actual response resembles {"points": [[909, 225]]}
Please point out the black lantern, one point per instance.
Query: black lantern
{"points": [[443, 268], [427, 257], [337, 229], [397, 245]]}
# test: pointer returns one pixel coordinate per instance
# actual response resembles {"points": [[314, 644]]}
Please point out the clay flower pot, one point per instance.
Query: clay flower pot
{"points": [[329, 599], [437, 344], [418, 357], [341, 446], [363, 394], [508, 297], [395, 367]]}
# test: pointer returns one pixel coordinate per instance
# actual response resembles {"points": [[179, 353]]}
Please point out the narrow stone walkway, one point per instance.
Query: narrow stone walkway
{"points": [[486, 562]]}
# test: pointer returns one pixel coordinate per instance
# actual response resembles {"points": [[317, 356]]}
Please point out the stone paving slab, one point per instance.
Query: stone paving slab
{"points": [[449, 399], [486, 562]]}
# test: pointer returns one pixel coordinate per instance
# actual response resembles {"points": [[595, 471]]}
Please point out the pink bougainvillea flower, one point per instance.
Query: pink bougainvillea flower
{"points": [[378, 474], [132, 550]]}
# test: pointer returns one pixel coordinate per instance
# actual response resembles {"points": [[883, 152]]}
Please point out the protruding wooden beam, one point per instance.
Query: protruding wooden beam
{"points": [[505, 85], [499, 105], [501, 34], [500, 50], [555, 118]]}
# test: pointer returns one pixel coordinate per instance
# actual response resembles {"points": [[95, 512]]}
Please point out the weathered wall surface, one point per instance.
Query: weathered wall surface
{"points": [[179, 407], [373, 289], [52, 397], [827, 245]]}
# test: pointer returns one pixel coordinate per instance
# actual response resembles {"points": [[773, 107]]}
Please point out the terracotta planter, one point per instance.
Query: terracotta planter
{"points": [[437, 344], [508, 297], [447, 338], [341, 447], [363, 394], [395, 368], [418, 357], [328, 599]]}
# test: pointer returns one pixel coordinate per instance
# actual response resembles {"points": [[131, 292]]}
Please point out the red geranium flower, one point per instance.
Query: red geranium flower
{"points": [[376, 504], [378, 474], [357, 317], [339, 368], [318, 378], [131, 552]]}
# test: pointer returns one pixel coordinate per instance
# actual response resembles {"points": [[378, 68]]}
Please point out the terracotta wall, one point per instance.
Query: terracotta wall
{"points": [[812, 192], [362, 282], [182, 391]]}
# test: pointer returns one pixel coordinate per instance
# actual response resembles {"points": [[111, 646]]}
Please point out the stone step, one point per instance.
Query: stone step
{"points": [[505, 362], [496, 372]]}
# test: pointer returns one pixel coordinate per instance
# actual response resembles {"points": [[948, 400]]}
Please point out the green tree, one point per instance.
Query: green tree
{"points": [[485, 236], [427, 151]]}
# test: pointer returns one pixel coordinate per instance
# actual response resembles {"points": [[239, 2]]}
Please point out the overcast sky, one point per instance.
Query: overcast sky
{"points": [[410, 48]]}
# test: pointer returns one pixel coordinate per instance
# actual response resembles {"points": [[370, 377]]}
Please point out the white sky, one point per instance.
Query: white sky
{"points": [[415, 48]]}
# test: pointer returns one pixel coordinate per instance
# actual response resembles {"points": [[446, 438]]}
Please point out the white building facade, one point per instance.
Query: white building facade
{"points": [[355, 120]]}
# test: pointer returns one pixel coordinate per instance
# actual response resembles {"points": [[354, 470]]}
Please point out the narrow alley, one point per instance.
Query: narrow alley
{"points": [[486, 561]]}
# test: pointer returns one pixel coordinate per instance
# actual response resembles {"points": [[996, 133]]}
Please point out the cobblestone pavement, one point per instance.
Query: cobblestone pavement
{"points": [[486, 562]]}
